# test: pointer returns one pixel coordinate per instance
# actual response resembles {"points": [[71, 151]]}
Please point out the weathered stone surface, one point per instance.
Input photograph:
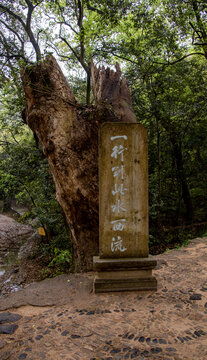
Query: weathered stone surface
{"points": [[120, 264], [123, 173], [7, 317], [125, 284], [11, 232], [8, 329], [124, 274], [123, 264]]}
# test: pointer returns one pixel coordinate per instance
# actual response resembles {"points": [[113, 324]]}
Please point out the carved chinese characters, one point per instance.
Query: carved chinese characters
{"points": [[123, 191], [118, 191], [123, 263]]}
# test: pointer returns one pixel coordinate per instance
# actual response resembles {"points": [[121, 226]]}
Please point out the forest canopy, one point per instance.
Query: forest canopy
{"points": [[161, 47]]}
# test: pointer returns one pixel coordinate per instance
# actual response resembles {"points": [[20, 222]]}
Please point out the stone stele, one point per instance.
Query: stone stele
{"points": [[123, 263]]}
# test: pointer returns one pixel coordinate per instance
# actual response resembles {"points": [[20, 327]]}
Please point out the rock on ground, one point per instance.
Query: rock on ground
{"points": [[10, 231], [18, 245]]}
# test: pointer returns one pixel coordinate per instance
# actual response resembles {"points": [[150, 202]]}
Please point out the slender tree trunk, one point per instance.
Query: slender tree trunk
{"points": [[158, 172], [201, 30], [182, 178], [68, 134], [88, 86], [178, 209]]}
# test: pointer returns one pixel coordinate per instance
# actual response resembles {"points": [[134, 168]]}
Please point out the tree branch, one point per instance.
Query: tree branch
{"points": [[92, 8], [57, 52], [67, 24], [29, 30], [124, 58], [26, 26], [7, 55], [35, 5], [200, 44], [15, 16], [198, 19], [12, 30], [176, 61], [75, 54], [64, 22], [198, 32]]}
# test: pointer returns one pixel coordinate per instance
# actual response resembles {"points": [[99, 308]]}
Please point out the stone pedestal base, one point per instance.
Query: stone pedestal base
{"points": [[130, 274]]}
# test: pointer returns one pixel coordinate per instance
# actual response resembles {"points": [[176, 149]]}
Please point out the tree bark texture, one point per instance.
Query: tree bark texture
{"points": [[68, 134]]}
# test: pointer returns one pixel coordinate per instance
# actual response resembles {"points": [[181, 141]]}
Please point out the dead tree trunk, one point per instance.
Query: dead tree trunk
{"points": [[68, 134]]}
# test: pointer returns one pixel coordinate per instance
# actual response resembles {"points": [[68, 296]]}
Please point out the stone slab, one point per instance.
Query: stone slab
{"points": [[123, 264], [123, 174], [124, 274], [132, 274], [128, 284]]}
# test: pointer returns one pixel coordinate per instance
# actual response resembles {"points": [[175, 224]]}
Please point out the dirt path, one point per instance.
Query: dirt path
{"points": [[62, 319]]}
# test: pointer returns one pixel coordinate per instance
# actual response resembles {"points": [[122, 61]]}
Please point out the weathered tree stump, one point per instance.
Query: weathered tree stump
{"points": [[68, 134]]}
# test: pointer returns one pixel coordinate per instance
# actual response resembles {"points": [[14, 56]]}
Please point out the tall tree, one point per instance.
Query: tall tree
{"points": [[16, 29], [70, 39], [189, 18]]}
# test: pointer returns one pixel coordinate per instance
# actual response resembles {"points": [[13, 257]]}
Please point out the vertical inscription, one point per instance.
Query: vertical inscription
{"points": [[118, 191], [123, 221]]}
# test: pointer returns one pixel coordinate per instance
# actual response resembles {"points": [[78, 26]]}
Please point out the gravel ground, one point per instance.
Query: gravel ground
{"points": [[62, 318]]}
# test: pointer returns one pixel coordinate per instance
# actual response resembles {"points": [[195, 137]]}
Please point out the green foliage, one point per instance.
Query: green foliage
{"points": [[26, 178], [162, 49], [184, 243], [61, 259], [174, 237]]}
